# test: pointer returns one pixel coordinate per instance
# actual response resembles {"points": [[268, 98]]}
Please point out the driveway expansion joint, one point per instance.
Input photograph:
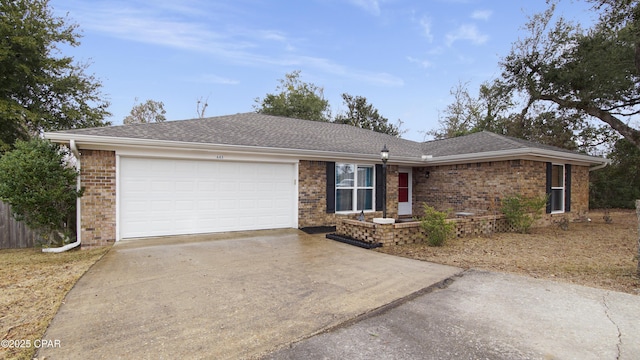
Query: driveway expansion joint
{"points": [[606, 312]]}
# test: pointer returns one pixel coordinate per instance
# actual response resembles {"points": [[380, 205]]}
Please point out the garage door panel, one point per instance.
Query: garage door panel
{"points": [[170, 197], [182, 205], [186, 186]]}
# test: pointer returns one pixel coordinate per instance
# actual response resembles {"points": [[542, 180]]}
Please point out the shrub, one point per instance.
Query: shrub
{"points": [[436, 226], [40, 186], [521, 211]]}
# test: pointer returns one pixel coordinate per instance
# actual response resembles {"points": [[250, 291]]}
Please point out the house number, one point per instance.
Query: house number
{"points": [[219, 157]]}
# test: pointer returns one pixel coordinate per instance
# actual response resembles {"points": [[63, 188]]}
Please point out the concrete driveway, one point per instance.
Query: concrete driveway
{"points": [[488, 315], [225, 296]]}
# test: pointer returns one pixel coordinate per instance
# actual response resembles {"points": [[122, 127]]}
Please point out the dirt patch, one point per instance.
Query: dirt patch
{"points": [[595, 253], [32, 288]]}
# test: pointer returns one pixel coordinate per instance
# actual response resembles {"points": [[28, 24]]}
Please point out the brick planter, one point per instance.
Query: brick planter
{"points": [[412, 233]]}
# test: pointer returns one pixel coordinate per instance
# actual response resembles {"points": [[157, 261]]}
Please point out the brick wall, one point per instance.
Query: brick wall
{"points": [[98, 203], [479, 187], [312, 189], [392, 191], [412, 233], [312, 202]]}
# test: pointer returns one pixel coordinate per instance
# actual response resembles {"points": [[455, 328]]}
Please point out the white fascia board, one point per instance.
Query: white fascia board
{"points": [[128, 144], [524, 154], [134, 147]]}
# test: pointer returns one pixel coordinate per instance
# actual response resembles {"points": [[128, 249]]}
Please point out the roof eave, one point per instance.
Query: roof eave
{"points": [[114, 143], [537, 154], [523, 153]]}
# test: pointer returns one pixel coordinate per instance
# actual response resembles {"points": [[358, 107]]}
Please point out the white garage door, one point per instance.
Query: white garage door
{"points": [[173, 197]]}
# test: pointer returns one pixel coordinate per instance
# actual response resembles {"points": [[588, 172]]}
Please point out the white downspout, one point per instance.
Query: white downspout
{"points": [[76, 153], [598, 167]]}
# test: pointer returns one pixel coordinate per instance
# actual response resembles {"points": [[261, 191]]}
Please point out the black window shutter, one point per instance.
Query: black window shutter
{"points": [[567, 188], [379, 187], [331, 187], [549, 179]]}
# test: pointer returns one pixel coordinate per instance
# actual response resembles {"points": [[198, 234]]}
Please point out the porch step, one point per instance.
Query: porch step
{"points": [[354, 242]]}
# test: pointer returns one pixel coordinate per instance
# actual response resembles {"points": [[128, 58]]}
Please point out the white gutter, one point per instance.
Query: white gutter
{"points": [[524, 153], [599, 166], [109, 143], [76, 153], [112, 143]]}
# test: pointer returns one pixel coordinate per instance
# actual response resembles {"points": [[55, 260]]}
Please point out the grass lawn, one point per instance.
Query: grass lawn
{"points": [[32, 288], [593, 253]]}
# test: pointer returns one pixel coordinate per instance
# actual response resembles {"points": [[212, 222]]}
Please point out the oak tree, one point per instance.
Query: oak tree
{"points": [[41, 89], [593, 72], [295, 99]]}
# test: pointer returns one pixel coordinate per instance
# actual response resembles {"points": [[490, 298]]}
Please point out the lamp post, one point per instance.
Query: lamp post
{"points": [[384, 155]]}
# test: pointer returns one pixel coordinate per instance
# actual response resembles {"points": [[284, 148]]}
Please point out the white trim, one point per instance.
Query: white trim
{"points": [[534, 154], [115, 143], [563, 188], [118, 201], [296, 197], [187, 154], [76, 153], [354, 189], [409, 171]]}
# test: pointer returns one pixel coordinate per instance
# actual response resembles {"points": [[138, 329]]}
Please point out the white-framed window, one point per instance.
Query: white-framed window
{"points": [[557, 188], [354, 187]]}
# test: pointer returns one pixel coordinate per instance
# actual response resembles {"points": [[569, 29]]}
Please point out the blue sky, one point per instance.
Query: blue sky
{"points": [[403, 56]]}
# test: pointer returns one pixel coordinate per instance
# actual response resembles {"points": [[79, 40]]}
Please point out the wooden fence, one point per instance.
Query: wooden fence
{"points": [[14, 234]]}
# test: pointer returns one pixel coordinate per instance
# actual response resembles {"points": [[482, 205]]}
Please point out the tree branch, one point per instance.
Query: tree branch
{"points": [[631, 134]]}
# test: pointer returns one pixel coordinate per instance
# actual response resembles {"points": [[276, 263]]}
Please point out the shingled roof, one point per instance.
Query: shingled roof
{"points": [[259, 131], [482, 142], [263, 131]]}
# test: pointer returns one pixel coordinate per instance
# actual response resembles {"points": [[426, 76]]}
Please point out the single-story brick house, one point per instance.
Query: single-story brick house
{"points": [[252, 171]]}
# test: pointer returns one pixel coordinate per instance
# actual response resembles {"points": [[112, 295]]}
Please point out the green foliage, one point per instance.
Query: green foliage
{"points": [[363, 115], [591, 72], [617, 185], [522, 212], [493, 110], [40, 186], [295, 99], [40, 91], [147, 112], [436, 226]]}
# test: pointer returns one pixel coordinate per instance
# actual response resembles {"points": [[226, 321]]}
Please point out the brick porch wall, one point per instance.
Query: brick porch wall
{"points": [[412, 233], [312, 202], [479, 187], [98, 203]]}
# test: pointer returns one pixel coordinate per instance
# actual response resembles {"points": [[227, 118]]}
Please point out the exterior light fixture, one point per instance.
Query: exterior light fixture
{"points": [[384, 155]]}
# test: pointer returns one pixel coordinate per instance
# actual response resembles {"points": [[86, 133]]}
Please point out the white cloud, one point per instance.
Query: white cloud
{"points": [[423, 63], [371, 6], [239, 45], [216, 79], [425, 22], [466, 32], [482, 15], [328, 66]]}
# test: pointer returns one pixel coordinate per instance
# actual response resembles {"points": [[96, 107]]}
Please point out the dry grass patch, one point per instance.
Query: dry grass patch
{"points": [[593, 253], [32, 287]]}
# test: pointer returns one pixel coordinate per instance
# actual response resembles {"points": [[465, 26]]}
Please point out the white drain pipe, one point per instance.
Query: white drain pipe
{"points": [[76, 153]]}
